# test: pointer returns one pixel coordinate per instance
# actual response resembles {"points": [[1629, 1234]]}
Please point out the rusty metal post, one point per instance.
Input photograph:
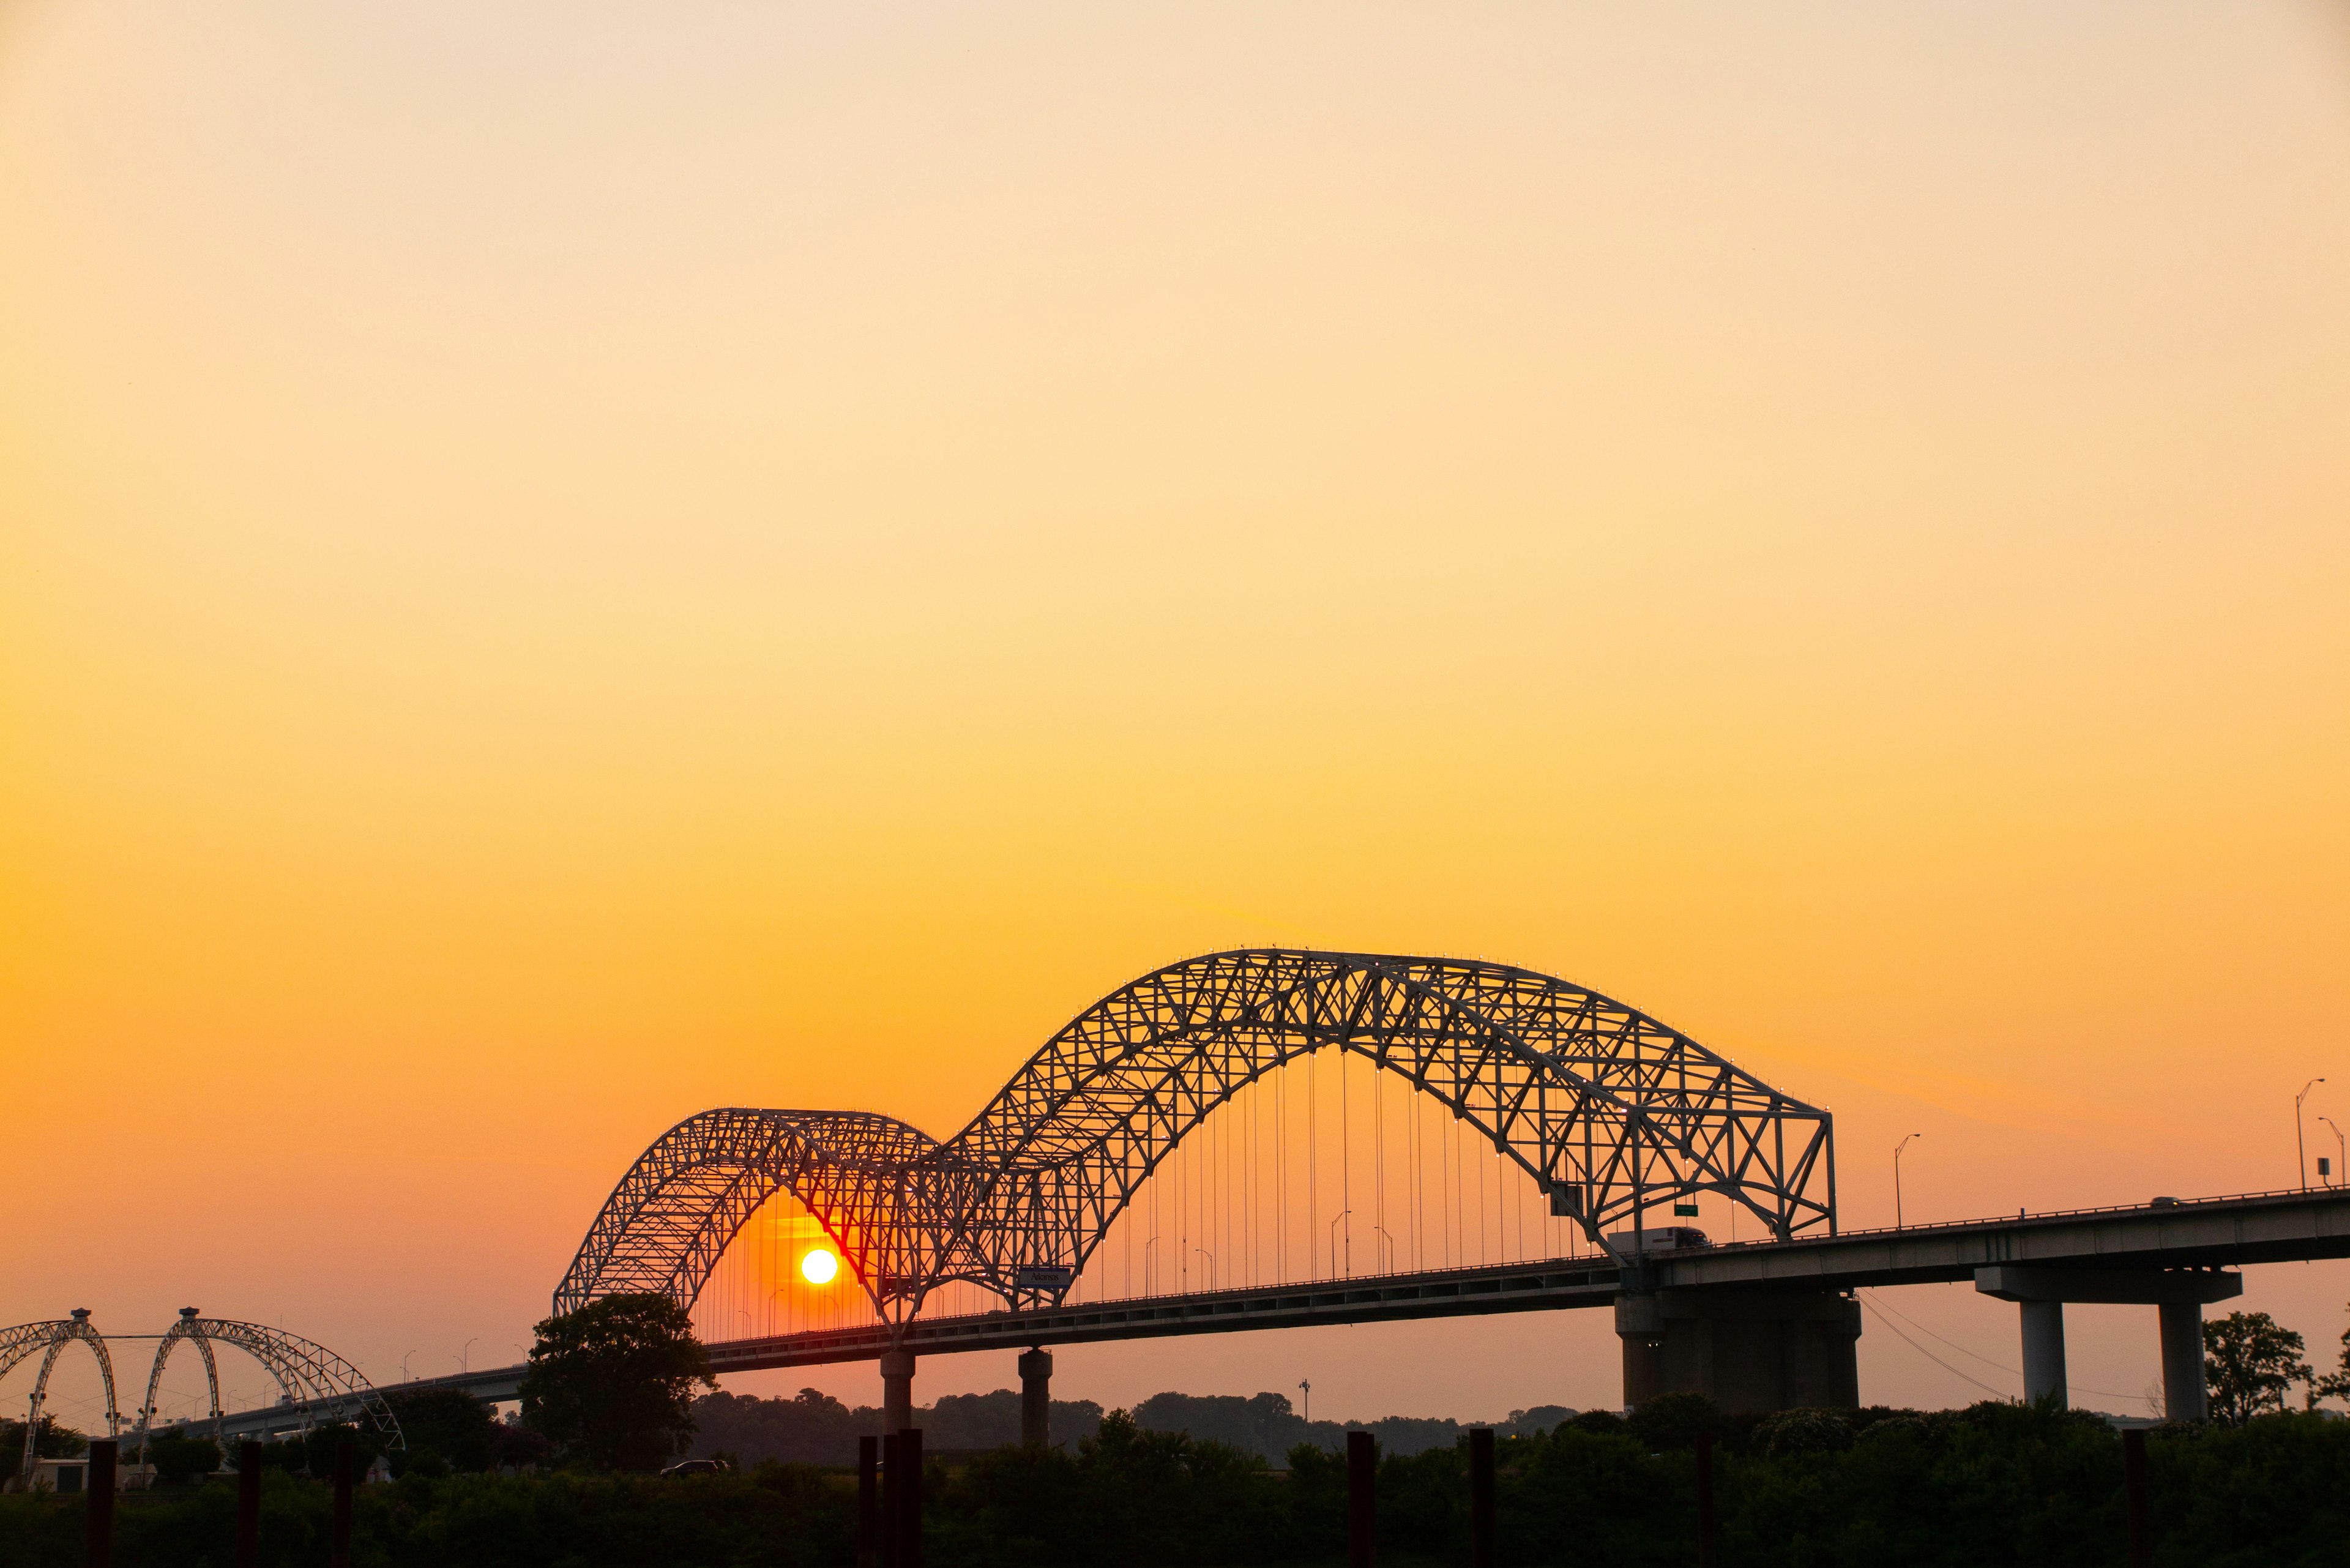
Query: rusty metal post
{"points": [[1484, 1549], [2141, 1522], [101, 1503], [338, 1544], [1362, 1503], [868, 1502], [1705, 1521], [910, 1498], [248, 1505]]}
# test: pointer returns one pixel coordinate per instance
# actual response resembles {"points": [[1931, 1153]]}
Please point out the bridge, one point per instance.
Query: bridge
{"points": [[1394, 1086], [315, 1384], [1603, 1114]]}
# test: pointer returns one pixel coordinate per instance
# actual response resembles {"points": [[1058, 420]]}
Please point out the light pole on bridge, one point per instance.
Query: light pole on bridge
{"points": [[465, 1357], [1897, 1178], [2341, 1149], [2300, 1150], [403, 1366], [1334, 1242], [1211, 1265]]}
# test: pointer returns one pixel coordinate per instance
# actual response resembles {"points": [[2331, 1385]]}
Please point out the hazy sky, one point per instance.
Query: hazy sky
{"points": [[564, 564]]}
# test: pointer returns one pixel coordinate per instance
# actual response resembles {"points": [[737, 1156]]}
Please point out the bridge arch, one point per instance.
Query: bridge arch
{"points": [[309, 1376], [1610, 1111], [49, 1340]]}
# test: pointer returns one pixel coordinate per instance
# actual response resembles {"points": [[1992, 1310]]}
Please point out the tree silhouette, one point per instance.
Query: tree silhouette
{"points": [[612, 1383], [2248, 1363]]}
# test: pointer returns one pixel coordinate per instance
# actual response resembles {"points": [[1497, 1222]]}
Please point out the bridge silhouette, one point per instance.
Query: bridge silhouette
{"points": [[1143, 1121], [1604, 1113]]}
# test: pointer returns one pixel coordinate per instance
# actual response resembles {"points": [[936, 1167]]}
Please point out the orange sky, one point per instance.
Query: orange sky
{"points": [[561, 565]]}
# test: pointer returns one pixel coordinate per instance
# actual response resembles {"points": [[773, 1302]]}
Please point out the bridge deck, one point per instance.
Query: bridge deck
{"points": [[2209, 1232]]}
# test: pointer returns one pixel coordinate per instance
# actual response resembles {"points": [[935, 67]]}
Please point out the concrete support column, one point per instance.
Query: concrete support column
{"points": [[2179, 1294], [1640, 1325], [2043, 1350], [1036, 1397], [2183, 1397], [897, 1390], [1746, 1350]]}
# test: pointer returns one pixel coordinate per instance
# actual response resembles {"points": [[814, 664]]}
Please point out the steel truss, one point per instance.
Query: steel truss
{"points": [[50, 1339], [1611, 1112], [311, 1376], [308, 1374]]}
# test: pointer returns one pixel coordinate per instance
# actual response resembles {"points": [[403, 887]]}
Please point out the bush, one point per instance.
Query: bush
{"points": [[179, 1459]]}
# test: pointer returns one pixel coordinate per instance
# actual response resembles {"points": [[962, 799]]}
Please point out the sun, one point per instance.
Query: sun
{"points": [[819, 1265]]}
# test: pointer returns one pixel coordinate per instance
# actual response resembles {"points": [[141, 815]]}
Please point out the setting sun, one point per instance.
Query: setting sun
{"points": [[818, 1267]]}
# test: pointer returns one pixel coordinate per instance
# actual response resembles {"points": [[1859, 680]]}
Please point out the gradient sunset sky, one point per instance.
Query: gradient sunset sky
{"points": [[566, 564]]}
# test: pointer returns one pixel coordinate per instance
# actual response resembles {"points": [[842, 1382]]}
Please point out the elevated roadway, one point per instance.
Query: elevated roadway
{"points": [[2150, 1253]]}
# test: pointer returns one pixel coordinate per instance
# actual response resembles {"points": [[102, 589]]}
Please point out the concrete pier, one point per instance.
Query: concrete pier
{"points": [[2043, 1350], [1036, 1398], [1746, 1350], [897, 1390], [2184, 1396], [2040, 1296]]}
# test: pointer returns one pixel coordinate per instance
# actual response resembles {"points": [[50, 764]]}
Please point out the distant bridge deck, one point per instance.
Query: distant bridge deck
{"points": [[2205, 1232], [2210, 1232]]}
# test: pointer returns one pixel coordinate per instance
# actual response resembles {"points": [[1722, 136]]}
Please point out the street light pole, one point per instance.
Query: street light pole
{"points": [[1334, 1243], [2300, 1152], [2341, 1149], [1897, 1178]]}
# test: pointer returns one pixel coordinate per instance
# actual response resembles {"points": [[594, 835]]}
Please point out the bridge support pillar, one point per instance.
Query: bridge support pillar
{"points": [[1746, 1350], [2043, 1352], [897, 1390], [2178, 1293], [2183, 1394], [1035, 1396]]}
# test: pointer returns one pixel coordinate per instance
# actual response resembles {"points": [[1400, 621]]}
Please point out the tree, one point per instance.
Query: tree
{"points": [[2249, 1362], [611, 1385], [180, 1458], [2334, 1384], [448, 1423], [54, 1442]]}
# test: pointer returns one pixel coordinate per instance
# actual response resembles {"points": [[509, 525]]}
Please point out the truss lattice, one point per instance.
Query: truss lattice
{"points": [[1611, 1112]]}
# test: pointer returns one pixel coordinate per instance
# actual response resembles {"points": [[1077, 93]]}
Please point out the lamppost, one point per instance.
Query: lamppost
{"points": [[1211, 1265], [403, 1367], [1897, 1178], [1333, 1245], [2300, 1152], [1386, 1266], [465, 1358], [2341, 1149]]}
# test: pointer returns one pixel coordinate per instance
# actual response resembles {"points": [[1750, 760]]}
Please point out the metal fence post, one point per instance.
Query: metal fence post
{"points": [[1705, 1522], [1484, 1549], [2141, 1522], [910, 1498], [101, 1503], [248, 1505], [1362, 1506], [338, 1545], [868, 1502]]}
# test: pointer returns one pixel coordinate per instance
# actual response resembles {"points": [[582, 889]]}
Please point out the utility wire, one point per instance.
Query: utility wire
{"points": [[1987, 1361]]}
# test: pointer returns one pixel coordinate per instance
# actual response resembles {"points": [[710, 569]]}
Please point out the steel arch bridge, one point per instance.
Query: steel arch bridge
{"points": [[311, 1377], [1609, 1110]]}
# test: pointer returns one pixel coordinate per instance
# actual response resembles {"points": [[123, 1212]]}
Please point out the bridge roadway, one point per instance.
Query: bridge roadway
{"points": [[2207, 1233]]}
